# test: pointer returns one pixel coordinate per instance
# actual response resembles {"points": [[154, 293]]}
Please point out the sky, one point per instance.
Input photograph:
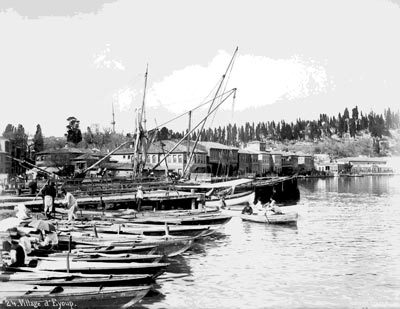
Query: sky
{"points": [[296, 59]]}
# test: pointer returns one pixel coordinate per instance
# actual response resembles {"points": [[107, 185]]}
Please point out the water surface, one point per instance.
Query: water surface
{"points": [[343, 253]]}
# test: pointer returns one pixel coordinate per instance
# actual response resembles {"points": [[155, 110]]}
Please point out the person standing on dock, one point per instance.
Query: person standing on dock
{"points": [[49, 193], [139, 198], [71, 203]]}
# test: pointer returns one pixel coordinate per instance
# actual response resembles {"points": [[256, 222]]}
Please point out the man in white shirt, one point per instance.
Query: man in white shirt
{"points": [[139, 198], [71, 203]]}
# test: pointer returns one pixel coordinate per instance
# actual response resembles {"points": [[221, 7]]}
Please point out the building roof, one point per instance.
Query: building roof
{"points": [[89, 156], [249, 151], [165, 146], [214, 145], [65, 150], [289, 154], [362, 159], [302, 154]]}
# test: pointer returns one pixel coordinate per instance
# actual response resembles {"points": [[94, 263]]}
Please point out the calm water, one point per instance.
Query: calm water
{"points": [[345, 252]]}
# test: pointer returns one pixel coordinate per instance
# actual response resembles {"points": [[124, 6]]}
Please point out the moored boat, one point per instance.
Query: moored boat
{"points": [[63, 279], [97, 268], [232, 200], [289, 218], [26, 296]]}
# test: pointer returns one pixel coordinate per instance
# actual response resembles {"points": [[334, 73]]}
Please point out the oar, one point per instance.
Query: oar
{"points": [[265, 213]]}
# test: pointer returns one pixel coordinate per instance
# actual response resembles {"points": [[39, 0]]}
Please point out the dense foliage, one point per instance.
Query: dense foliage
{"points": [[341, 126]]}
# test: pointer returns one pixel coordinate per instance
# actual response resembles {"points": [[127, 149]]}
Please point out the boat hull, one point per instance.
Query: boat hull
{"points": [[233, 200], [270, 218], [29, 298]]}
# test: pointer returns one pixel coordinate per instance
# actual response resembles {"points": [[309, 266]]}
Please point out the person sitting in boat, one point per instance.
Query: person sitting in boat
{"points": [[274, 208], [22, 238], [247, 210], [223, 203], [258, 206], [16, 252], [50, 240]]}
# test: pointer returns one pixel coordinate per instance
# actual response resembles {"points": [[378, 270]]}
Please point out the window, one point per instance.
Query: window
{"points": [[180, 159], [174, 158], [154, 158]]}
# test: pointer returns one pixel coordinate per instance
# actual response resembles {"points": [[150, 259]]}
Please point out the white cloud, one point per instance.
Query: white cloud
{"points": [[260, 81], [102, 60], [124, 98]]}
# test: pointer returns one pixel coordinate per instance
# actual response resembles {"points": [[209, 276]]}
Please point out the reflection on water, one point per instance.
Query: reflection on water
{"points": [[343, 253]]}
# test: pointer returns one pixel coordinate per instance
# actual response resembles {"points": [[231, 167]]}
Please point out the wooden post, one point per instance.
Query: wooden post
{"points": [[68, 262], [193, 200], [95, 231], [188, 139], [69, 243], [166, 230]]}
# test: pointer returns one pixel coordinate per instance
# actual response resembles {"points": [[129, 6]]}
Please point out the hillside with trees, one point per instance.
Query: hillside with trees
{"points": [[347, 134]]}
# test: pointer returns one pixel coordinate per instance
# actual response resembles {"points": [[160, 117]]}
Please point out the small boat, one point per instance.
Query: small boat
{"points": [[108, 258], [289, 218], [95, 268], [155, 230], [63, 279], [236, 199], [199, 219], [163, 245], [28, 296]]}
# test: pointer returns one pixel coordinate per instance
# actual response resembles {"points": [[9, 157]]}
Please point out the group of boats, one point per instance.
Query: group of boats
{"points": [[108, 259], [109, 263]]}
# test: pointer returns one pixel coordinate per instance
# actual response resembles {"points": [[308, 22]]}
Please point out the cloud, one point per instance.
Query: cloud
{"points": [[124, 98], [260, 81], [102, 60], [40, 8]]}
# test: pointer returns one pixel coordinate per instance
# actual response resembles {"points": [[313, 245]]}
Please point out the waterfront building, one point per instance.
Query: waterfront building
{"points": [[366, 165], [289, 163], [5, 161], [276, 161], [175, 162], [59, 160], [223, 160], [330, 168], [248, 162], [85, 160], [305, 163], [265, 163]]}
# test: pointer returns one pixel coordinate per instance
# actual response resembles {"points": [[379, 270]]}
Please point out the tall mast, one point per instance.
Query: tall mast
{"points": [[143, 117], [186, 169], [113, 117], [140, 150]]}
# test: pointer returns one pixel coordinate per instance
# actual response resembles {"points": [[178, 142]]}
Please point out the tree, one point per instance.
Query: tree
{"points": [[164, 133], [352, 127], [354, 113], [9, 131], [346, 114], [38, 142]]}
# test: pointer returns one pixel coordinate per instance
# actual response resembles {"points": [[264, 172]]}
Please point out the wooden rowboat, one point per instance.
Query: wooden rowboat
{"points": [[236, 199], [26, 296], [76, 279], [289, 218], [97, 268]]}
